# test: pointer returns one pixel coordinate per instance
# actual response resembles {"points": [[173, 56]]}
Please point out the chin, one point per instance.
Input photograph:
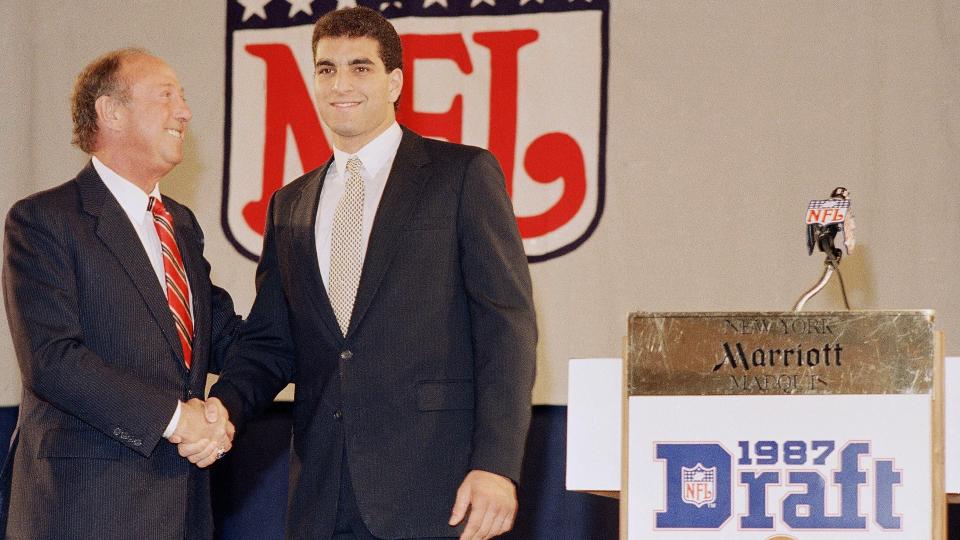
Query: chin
{"points": [[342, 128]]}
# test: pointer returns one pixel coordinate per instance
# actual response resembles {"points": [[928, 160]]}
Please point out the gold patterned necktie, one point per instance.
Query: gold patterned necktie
{"points": [[345, 241]]}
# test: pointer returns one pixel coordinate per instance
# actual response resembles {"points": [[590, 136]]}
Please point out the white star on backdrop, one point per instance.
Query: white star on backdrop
{"points": [[253, 7], [475, 3], [346, 4], [385, 5], [296, 6], [525, 2], [428, 3]]}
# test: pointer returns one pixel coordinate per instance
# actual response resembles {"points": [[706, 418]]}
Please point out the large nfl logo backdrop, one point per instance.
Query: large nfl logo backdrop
{"points": [[525, 79]]}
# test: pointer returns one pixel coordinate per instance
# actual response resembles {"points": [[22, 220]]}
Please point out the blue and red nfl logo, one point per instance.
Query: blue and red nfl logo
{"points": [[525, 79], [699, 485]]}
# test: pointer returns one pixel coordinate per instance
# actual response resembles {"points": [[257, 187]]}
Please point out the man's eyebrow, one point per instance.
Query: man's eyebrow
{"points": [[362, 61], [171, 85]]}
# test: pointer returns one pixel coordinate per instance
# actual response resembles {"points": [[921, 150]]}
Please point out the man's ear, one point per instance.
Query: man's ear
{"points": [[111, 114], [396, 84]]}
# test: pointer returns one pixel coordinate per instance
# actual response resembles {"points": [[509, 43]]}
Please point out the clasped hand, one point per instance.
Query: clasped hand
{"points": [[204, 432]]}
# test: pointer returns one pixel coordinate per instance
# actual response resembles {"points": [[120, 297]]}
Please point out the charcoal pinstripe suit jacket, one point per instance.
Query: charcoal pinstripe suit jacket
{"points": [[434, 376], [102, 370]]}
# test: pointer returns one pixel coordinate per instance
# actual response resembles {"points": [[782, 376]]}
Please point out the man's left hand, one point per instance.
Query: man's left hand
{"points": [[492, 502]]}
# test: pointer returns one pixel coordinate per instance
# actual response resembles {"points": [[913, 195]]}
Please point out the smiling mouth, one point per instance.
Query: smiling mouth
{"points": [[176, 133], [345, 105]]}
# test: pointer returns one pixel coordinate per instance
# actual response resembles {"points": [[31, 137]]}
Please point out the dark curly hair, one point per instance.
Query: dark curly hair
{"points": [[362, 22]]}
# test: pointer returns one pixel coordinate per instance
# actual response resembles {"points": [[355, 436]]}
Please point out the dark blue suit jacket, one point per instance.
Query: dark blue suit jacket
{"points": [[434, 376], [102, 370]]}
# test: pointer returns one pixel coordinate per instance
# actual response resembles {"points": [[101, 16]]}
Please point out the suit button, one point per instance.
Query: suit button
{"points": [[337, 415], [346, 355]]}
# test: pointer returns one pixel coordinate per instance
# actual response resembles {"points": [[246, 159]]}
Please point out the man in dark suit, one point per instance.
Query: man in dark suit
{"points": [[115, 324], [394, 291]]}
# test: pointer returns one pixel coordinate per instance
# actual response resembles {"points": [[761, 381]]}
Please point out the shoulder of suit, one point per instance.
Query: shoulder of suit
{"points": [[448, 151], [64, 192], [301, 181], [293, 189], [57, 209], [61, 198]]}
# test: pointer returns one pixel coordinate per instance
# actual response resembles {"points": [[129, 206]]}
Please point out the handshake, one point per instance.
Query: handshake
{"points": [[204, 432]]}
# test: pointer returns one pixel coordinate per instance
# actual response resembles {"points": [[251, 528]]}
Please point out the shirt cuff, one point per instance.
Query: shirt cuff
{"points": [[172, 426]]}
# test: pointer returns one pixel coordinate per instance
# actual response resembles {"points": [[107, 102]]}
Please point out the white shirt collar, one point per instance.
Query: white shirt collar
{"points": [[131, 198], [374, 155]]}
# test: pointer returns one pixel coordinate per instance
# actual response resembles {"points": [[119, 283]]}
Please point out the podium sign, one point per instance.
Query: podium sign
{"points": [[783, 425]]}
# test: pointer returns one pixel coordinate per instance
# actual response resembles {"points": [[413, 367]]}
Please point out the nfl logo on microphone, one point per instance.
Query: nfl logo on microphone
{"points": [[525, 79]]}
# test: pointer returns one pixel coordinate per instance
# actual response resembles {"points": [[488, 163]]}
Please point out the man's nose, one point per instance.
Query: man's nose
{"points": [[183, 112], [342, 82]]}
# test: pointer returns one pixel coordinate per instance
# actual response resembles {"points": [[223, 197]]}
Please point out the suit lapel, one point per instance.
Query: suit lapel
{"points": [[303, 223], [117, 234], [399, 200]]}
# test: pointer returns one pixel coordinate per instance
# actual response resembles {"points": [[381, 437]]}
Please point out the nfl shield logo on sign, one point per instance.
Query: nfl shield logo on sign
{"points": [[699, 485], [525, 79]]}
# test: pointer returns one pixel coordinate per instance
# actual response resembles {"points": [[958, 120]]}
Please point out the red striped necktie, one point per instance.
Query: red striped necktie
{"points": [[178, 292]]}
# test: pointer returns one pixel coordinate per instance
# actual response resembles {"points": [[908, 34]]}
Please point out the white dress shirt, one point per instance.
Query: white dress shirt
{"points": [[134, 201], [377, 159]]}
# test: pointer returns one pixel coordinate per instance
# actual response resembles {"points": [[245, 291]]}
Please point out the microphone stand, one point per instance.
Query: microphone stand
{"points": [[831, 265]]}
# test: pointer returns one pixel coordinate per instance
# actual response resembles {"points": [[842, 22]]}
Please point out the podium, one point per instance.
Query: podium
{"points": [[776, 425]]}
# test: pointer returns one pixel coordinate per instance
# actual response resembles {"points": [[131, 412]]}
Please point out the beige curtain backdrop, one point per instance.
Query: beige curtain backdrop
{"points": [[16, 149], [725, 118]]}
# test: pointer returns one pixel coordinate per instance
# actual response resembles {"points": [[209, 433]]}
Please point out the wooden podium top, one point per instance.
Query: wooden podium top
{"points": [[771, 353]]}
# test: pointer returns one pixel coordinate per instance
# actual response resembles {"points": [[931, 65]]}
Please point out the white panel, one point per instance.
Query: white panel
{"points": [[594, 412], [724, 441], [952, 417]]}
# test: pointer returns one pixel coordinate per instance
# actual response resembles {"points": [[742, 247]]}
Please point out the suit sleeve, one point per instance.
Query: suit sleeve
{"points": [[264, 362], [224, 321], [42, 302], [503, 322]]}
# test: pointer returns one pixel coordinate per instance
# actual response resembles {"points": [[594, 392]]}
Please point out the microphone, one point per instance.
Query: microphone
{"points": [[828, 219]]}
